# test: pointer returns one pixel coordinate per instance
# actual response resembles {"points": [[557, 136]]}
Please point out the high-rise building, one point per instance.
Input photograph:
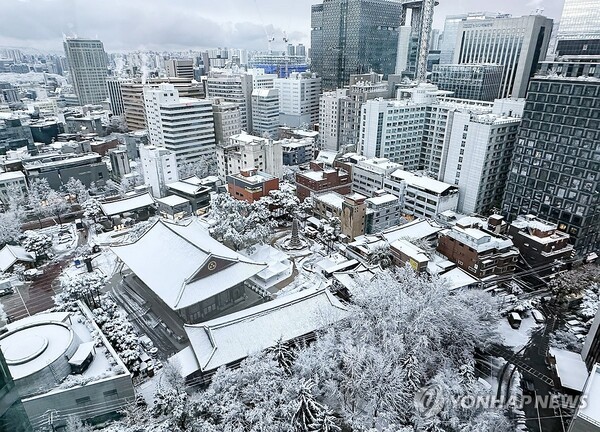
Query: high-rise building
{"points": [[291, 50], [469, 81], [160, 168], [233, 87], [227, 118], [516, 43], [115, 95], [579, 28], [329, 119], [555, 172], [133, 97], [353, 37], [265, 112], [301, 50], [180, 68], [87, 68], [478, 159], [298, 99], [184, 126], [260, 79], [12, 414], [451, 32]]}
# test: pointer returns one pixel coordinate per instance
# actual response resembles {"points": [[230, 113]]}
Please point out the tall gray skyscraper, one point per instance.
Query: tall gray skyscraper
{"points": [[87, 66], [579, 29], [353, 37], [555, 171], [517, 43]]}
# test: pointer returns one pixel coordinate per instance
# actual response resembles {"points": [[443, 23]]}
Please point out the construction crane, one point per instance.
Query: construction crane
{"points": [[426, 24]]}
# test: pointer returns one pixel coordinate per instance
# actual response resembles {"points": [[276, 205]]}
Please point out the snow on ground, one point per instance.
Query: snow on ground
{"points": [[105, 262], [516, 339], [148, 387]]}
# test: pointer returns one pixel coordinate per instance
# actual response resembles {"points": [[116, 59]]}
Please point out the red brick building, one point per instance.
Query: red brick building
{"points": [[320, 179], [251, 185], [478, 251]]}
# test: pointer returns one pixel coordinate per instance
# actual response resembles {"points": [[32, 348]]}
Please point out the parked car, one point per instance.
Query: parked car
{"points": [[514, 319], [6, 291], [538, 316]]}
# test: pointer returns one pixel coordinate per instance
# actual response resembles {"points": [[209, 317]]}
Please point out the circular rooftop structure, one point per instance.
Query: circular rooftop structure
{"points": [[37, 354]]}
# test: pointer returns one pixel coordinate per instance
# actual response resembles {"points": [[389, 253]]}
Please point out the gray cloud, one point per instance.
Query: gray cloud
{"points": [[187, 24]]}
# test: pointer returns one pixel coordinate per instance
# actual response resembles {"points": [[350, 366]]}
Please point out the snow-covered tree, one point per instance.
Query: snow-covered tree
{"points": [[56, 205], [84, 286], [39, 191], [76, 190], [10, 227], [239, 224], [330, 231], [74, 424], [381, 255], [283, 202], [204, 167], [403, 331], [37, 243], [91, 209], [16, 199], [574, 282], [308, 410]]}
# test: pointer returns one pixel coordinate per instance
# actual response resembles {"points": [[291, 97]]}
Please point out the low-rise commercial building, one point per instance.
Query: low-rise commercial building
{"points": [[192, 189], [58, 169], [478, 251], [320, 179], [539, 241], [245, 151], [251, 185], [369, 175], [297, 151], [421, 196], [383, 212]]}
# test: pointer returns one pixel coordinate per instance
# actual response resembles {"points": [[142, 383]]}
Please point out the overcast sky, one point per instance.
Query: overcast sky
{"points": [[187, 24]]}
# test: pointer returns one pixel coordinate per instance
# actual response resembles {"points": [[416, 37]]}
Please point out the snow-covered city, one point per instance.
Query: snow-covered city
{"points": [[352, 215]]}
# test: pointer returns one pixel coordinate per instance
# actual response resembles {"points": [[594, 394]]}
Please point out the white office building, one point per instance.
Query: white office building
{"points": [[87, 68], [246, 151], [421, 196], [517, 43], [394, 129], [479, 155], [233, 87], [265, 112], [329, 118], [261, 80], [159, 166], [298, 99], [368, 176], [184, 126]]}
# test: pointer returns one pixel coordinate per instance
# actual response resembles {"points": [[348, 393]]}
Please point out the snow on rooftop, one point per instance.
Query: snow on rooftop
{"points": [[458, 278], [313, 175], [410, 250], [570, 368], [382, 199], [332, 199], [589, 411], [172, 200], [9, 255], [231, 338], [127, 204], [183, 264], [421, 182], [417, 229], [11, 175], [186, 186]]}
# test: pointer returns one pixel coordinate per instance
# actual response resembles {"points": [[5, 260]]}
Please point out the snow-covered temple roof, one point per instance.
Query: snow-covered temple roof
{"points": [[183, 264], [232, 338]]}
